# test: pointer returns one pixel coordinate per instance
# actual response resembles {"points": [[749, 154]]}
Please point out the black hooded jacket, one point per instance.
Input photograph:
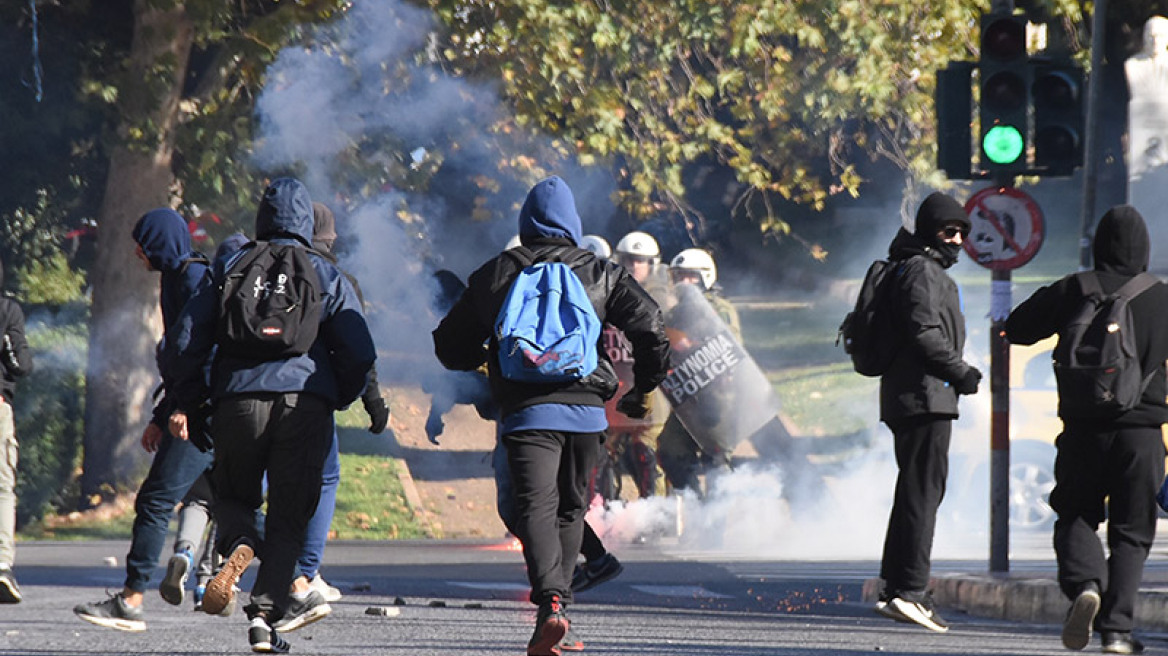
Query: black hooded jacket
{"points": [[928, 315], [1121, 249], [550, 228], [15, 356]]}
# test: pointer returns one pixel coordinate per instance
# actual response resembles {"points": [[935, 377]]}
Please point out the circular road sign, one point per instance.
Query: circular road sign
{"points": [[1006, 228]]}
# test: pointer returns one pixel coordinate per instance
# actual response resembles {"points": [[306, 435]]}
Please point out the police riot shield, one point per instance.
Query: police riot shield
{"points": [[714, 386]]}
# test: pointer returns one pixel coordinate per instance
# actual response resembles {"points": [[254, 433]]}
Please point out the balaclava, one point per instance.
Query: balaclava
{"points": [[936, 212]]}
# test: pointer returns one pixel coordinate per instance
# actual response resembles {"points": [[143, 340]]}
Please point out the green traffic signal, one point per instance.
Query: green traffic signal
{"points": [[1002, 144]]}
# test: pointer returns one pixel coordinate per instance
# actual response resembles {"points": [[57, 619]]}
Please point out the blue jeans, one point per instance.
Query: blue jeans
{"points": [[318, 527], [177, 465], [504, 489]]}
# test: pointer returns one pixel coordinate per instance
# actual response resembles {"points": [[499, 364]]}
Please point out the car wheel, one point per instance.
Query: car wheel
{"points": [[1031, 480]]}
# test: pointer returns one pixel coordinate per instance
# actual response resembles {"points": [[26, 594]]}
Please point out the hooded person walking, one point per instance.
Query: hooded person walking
{"points": [[1108, 466], [918, 400], [552, 431]]}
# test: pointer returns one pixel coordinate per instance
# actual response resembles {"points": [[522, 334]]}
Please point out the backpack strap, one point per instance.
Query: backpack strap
{"points": [[1138, 284]]}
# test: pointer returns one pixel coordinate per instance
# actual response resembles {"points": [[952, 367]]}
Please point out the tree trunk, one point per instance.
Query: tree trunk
{"points": [[125, 319]]}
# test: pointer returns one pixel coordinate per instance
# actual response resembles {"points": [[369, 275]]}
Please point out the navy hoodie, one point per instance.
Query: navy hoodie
{"points": [[166, 243], [334, 369]]}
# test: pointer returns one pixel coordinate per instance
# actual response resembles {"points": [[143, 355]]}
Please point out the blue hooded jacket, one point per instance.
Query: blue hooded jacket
{"points": [[337, 365], [166, 242], [549, 212]]}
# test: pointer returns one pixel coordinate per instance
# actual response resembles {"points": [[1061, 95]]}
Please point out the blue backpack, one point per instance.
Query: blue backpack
{"points": [[547, 329]]}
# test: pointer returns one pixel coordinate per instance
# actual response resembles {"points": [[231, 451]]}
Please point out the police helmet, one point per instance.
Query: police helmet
{"points": [[597, 245], [696, 260]]}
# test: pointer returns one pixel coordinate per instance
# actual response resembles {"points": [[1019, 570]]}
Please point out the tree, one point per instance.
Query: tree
{"points": [[155, 113], [793, 97]]}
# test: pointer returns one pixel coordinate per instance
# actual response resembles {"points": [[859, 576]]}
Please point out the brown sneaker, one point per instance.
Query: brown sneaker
{"points": [[551, 624], [221, 589]]}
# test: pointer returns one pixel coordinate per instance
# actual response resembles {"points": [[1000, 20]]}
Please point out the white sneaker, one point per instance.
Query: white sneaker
{"points": [[330, 593]]}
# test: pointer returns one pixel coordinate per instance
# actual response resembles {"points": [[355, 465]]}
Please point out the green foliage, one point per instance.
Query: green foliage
{"points": [[50, 282], [371, 504], [49, 411], [794, 97]]}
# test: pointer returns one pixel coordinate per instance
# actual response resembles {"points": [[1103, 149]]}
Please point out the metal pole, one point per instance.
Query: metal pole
{"points": [[1090, 174], [999, 430]]}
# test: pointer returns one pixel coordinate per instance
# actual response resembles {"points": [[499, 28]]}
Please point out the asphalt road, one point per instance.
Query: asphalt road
{"points": [[469, 598]]}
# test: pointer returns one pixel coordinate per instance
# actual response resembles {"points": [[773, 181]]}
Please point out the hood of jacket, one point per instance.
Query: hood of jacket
{"points": [[231, 245], [549, 212], [324, 227], [1121, 243], [164, 238], [285, 211]]}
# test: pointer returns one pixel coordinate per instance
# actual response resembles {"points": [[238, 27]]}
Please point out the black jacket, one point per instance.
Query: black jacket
{"points": [[928, 318], [1121, 249], [15, 357], [616, 297]]}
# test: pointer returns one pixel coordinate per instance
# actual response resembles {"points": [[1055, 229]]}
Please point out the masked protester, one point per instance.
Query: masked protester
{"points": [[552, 431], [1108, 466], [918, 400]]}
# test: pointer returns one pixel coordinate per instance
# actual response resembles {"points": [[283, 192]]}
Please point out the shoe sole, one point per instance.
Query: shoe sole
{"points": [[133, 626], [573, 646], [221, 589], [550, 635], [913, 614], [175, 580], [267, 648], [889, 611], [300, 621], [1077, 627], [9, 593], [604, 578]]}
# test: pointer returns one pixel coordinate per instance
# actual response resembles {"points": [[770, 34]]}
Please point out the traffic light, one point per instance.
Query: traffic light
{"points": [[1005, 88], [954, 107], [1058, 116]]}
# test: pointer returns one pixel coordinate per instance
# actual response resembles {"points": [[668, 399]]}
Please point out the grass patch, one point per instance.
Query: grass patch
{"points": [[826, 400], [371, 505]]}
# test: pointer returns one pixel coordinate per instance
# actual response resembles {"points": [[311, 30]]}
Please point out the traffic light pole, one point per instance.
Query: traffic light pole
{"points": [[999, 429], [1090, 175]]}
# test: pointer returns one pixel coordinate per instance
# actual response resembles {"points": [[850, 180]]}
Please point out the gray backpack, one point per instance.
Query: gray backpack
{"points": [[1096, 363]]}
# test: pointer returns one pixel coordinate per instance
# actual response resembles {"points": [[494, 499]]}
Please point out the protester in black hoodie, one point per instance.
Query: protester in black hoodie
{"points": [[1106, 469], [918, 400]]}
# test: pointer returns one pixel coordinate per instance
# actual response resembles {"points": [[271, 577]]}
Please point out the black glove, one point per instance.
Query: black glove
{"points": [[634, 404], [378, 414], [968, 383], [434, 426]]}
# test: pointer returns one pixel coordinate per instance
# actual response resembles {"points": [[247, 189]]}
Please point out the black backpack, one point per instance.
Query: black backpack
{"points": [[1096, 364], [868, 332], [269, 303]]}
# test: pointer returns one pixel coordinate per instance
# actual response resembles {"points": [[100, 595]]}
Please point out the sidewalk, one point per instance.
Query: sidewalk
{"points": [[1029, 592]]}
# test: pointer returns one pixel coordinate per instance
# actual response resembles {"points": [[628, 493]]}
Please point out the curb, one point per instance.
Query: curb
{"points": [[413, 499], [1037, 601]]}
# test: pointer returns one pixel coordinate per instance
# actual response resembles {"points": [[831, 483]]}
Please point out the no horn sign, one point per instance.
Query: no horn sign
{"points": [[1006, 228]]}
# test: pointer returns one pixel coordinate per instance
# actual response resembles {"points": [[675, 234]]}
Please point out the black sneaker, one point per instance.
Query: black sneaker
{"points": [[590, 575], [888, 610], [1080, 617], [264, 638], [9, 590], [221, 589], [114, 613], [173, 586], [302, 612], [550, 627], [919, 611], [1121, 642]]}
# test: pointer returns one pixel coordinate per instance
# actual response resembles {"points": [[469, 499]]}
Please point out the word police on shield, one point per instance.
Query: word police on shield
{"points": [[715, 387]]}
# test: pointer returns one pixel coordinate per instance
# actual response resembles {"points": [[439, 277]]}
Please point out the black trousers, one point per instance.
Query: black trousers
{"points": [[285, 436], [1112, 474], [922, 456], [549, 471]]}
